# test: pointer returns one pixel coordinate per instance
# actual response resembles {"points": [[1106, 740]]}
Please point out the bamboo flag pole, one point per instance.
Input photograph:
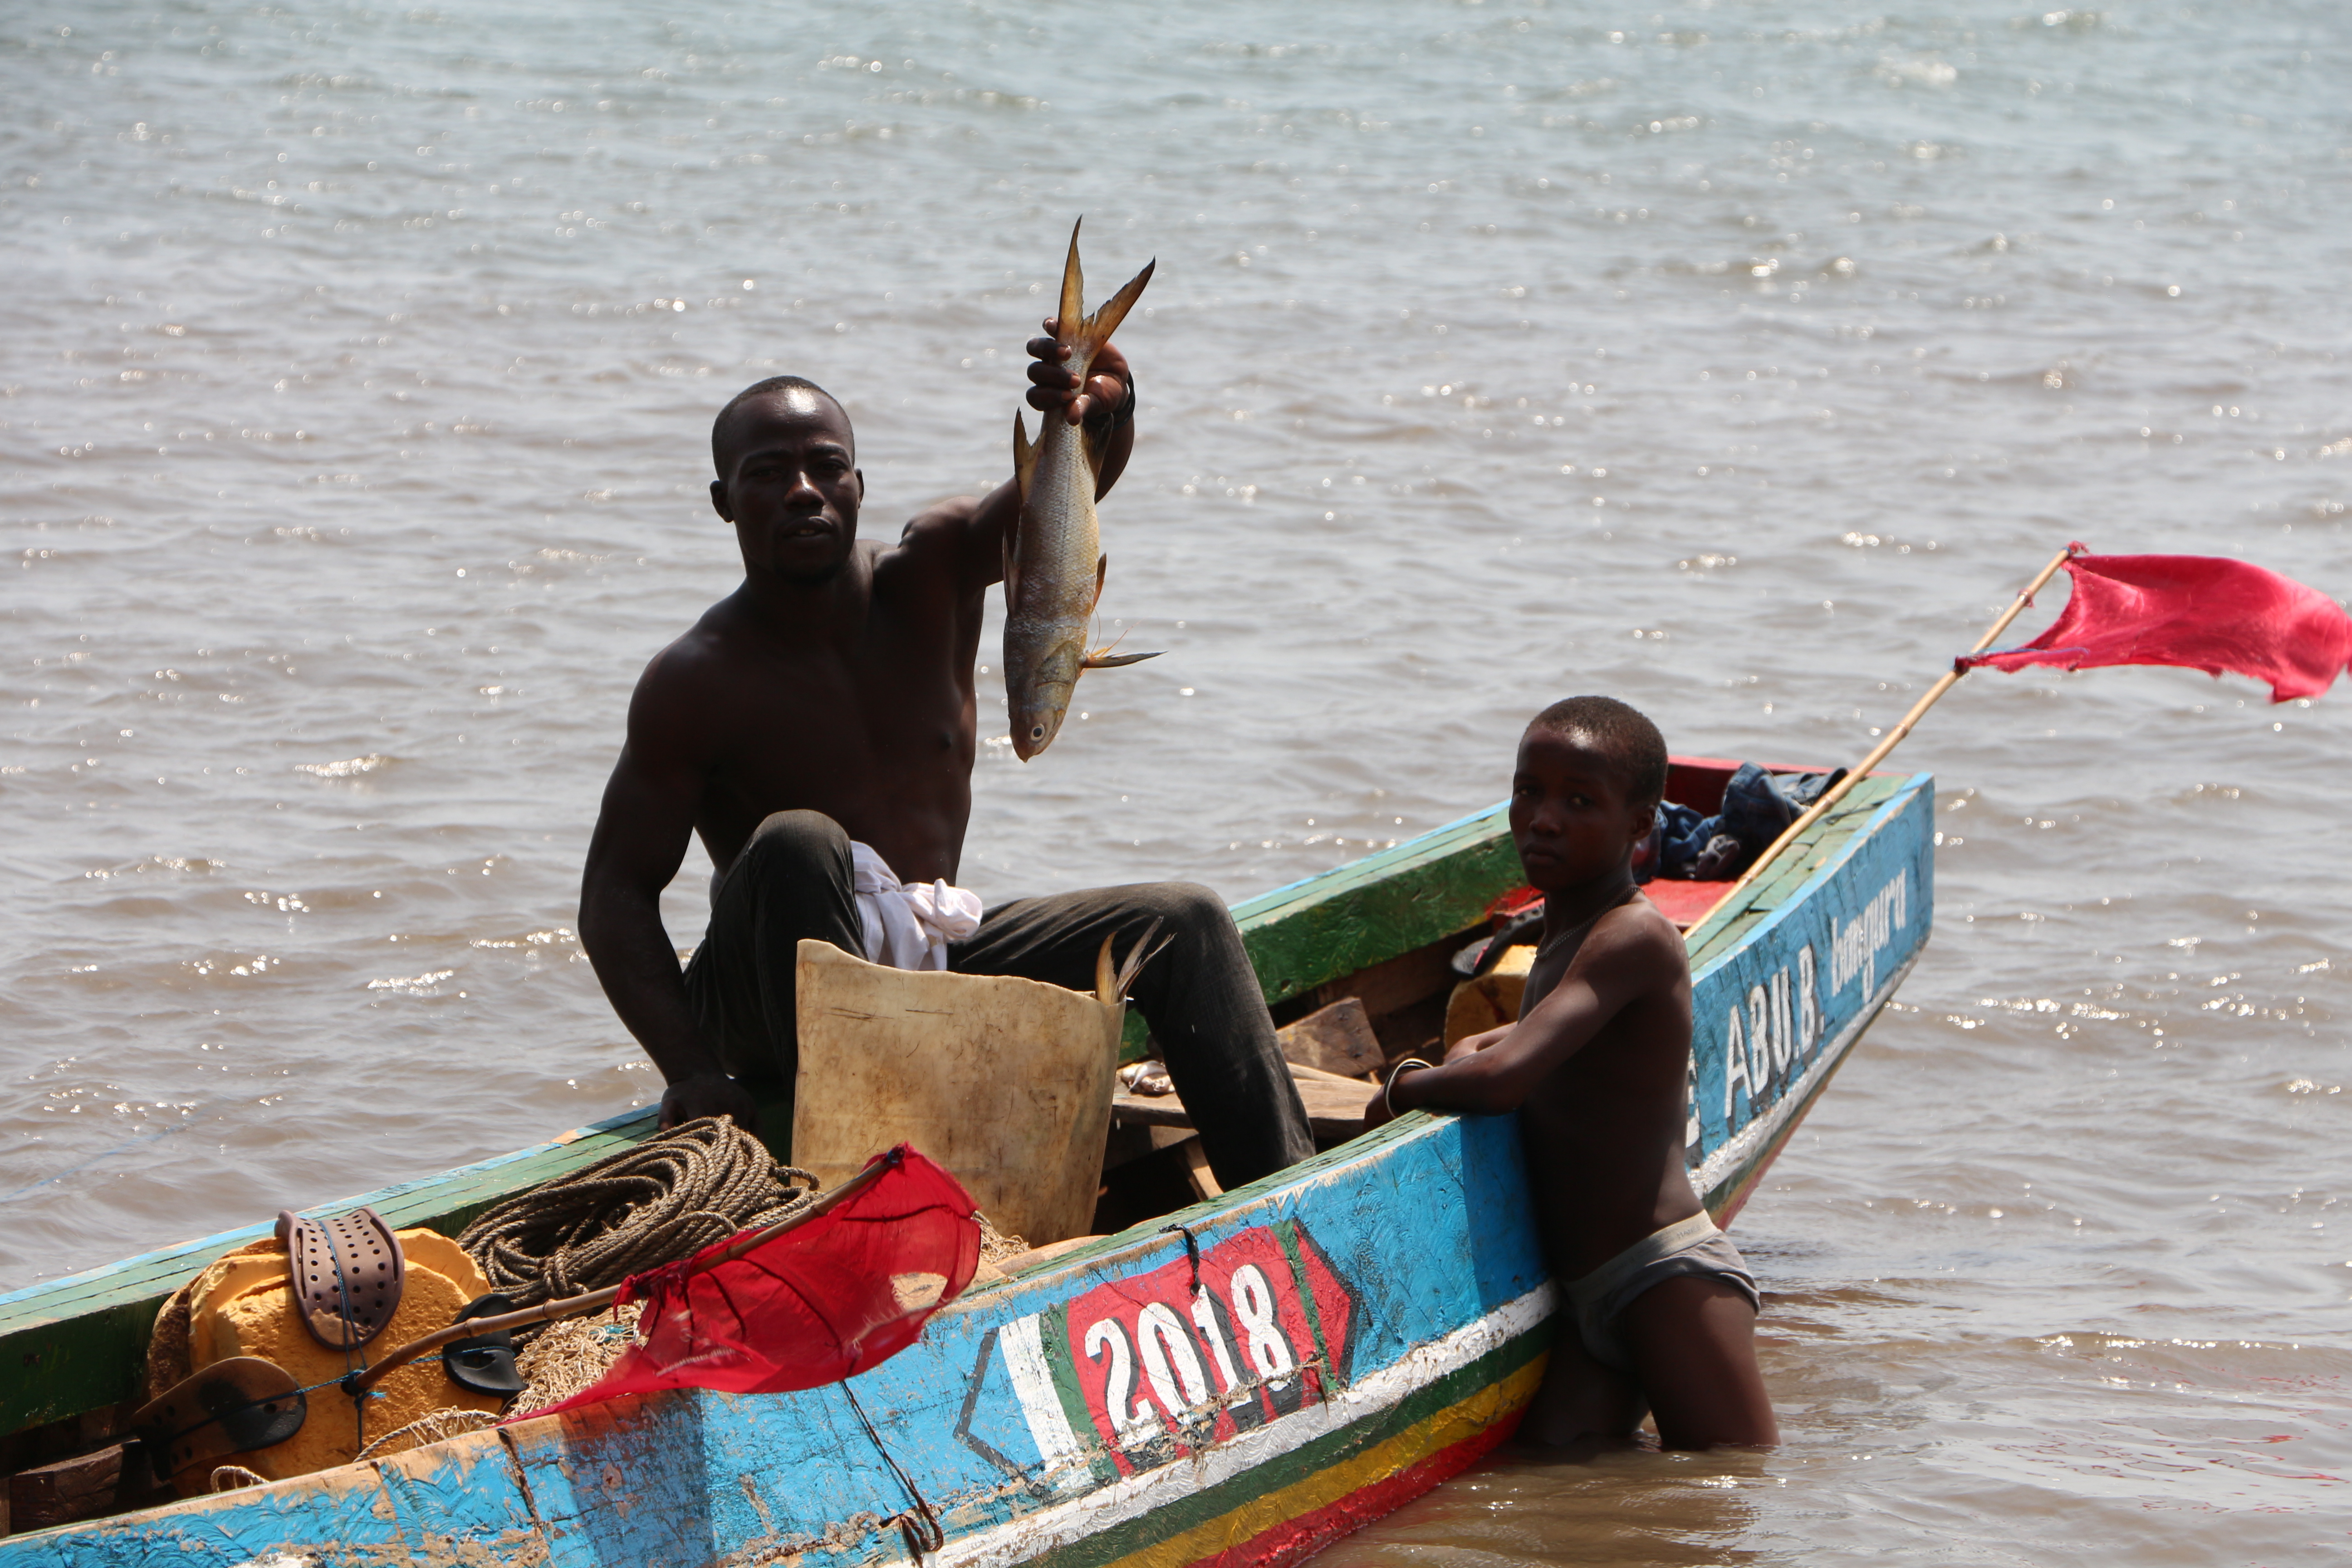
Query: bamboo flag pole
{"points": [[1861, 770]]}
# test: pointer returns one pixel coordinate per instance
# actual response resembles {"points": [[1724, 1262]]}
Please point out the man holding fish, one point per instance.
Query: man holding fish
{"points": [[817, 728]]}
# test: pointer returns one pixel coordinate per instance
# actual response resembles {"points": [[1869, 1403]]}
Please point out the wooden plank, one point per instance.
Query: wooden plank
{"points": [[67, 1491], [1335, 1039], [1131, 1141], [1148, 1111], [1335, 1105], [1197, 1171]]}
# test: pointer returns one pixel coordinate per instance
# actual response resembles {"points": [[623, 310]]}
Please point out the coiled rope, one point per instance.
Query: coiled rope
{"points": [[653, 1204]]}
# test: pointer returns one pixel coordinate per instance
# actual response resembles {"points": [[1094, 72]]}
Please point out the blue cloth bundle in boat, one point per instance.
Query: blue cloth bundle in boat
{"points": [[1757, 806], [1684, 846]]}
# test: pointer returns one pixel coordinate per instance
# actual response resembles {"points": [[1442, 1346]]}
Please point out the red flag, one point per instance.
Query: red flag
{"points": [[847, 1291], [2200, 612]]}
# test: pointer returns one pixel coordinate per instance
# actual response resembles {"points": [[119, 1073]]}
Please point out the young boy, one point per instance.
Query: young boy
{"points": [[1658, 1306]]}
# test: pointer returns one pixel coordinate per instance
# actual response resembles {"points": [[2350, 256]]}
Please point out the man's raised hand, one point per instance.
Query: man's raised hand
{"points": [[1053, 387]]}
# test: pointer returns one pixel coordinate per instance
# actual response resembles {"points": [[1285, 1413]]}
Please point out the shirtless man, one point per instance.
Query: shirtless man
{"points": [[827, 706], [1659, 1305]]}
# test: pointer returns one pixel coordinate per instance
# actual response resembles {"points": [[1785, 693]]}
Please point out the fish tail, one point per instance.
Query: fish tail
{"points": [[1072, 318], [1105, 322], [1083, 334]]}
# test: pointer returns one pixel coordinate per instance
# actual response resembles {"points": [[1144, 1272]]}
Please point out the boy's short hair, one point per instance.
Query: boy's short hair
{"points": [[722, 427], [1624, 732]]}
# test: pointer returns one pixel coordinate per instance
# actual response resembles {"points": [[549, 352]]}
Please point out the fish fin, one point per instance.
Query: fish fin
{"points": [[1025, 456], [1144, 951], [1102, 566], [1102, 658], [1024, 464], [1106, 976]]}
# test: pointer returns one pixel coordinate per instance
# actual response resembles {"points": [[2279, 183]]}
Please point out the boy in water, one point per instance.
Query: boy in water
{"points": [[1659, 1307]]}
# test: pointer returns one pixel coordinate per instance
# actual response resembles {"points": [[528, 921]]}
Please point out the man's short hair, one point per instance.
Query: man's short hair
{"points": [[722, 429], [1628, 738]]}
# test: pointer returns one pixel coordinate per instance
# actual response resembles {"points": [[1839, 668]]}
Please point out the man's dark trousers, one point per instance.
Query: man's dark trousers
{"points": [[1199, 993]]}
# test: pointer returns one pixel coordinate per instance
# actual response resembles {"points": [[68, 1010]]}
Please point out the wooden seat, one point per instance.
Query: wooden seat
{"points": [[1335, 1105]]}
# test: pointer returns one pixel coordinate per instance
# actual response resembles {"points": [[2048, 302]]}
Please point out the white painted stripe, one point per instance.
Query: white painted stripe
{"points": [[1035, 1534], [1757, 1136], [1024, 1345]]}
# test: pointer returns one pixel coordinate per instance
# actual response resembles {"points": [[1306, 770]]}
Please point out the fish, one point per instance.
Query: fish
{"points": [[1054, 563]]}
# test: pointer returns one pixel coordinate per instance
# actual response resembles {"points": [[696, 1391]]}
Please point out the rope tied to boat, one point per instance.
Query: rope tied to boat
{"points": [[656, 1203], [919, 1526], [433, 1426]]}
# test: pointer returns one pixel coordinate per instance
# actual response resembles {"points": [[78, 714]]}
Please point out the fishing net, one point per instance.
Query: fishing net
{"points": [[848, 1288], [571, 1354]]}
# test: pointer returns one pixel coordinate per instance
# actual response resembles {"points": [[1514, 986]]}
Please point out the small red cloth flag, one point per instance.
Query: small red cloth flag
{"points": [[2202, 612], [823, 1301]]}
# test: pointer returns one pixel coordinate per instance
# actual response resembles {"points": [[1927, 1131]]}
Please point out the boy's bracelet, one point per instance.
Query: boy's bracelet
{"points": [[1388, 1090]]}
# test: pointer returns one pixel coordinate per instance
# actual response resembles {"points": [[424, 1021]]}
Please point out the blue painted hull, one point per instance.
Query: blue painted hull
{"points": [[1773, 1017]]}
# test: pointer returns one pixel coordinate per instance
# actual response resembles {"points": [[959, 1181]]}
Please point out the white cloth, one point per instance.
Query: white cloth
{"points": [[907, 925]]}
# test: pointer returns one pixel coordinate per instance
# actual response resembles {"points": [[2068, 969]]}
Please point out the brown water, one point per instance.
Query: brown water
{"points": [[1737, 358]]}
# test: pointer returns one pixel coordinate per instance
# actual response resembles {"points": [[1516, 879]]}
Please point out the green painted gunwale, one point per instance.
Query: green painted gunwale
{"points": [[75, 1344]]}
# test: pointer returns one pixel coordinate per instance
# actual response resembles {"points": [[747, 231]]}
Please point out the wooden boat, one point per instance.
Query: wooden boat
{"points": [[1239, 1382]]}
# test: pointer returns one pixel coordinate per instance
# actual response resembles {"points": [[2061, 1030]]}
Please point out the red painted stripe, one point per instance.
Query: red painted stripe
{"points": [[1296, 1540]]}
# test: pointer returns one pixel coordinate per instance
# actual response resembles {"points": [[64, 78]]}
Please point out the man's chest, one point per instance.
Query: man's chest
{"points": [[830, 711]]}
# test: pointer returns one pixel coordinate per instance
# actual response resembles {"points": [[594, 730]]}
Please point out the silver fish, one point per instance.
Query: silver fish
{"points": [[1054, 566]]}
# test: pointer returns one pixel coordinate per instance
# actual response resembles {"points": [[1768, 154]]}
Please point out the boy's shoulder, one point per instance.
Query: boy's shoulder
{"points": [[1636, 936]]}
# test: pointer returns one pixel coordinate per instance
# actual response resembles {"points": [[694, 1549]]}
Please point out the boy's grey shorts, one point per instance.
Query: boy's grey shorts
{"points": [[1693, 1245]]}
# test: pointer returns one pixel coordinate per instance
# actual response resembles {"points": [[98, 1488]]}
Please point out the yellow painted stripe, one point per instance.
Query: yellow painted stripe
{"points": [[1446, 1428]]}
